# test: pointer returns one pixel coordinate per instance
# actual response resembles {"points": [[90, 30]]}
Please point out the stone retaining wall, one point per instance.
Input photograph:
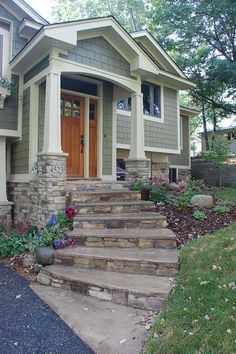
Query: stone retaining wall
{"points": [[205, 170], [5, 213]]}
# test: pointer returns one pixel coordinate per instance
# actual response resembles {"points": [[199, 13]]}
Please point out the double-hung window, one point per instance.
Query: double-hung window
{"points": [[151, 99]]}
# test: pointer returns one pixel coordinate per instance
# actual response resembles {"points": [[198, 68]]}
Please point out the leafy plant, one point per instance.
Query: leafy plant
{"points": [[199, 215], [160, 190], [142, 183], [221, 208], [183, 199]]}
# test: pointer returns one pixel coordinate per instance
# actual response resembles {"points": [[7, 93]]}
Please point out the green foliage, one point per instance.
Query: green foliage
{"points": [[161, 194], [219, 152], [199, 215], [228, 195], [64, 222], [221, 208], [183, 199], [132, 15], [198, 315], [142, 183]]}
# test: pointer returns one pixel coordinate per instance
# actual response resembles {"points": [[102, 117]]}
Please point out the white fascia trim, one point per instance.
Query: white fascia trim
{"points": [[123, 146], [159, 48], [149, 149], [28, 23], [80, 94], [64, 65], [10, 133], [122, 112], [22, 178], [162, 150], [180, 79], [27, 48], [181, 167], [108, 178], [30, 11]]}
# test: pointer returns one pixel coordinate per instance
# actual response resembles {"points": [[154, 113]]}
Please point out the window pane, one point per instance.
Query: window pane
{"points": [[68, 102], [124, 104], [67, 112], [157, 101], [146, 98], [92, 111], [76, 104], [75, 113]]}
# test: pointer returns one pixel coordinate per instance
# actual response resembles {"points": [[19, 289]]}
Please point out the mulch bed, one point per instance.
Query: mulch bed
{"points": [[26, 272], [186, 228]]}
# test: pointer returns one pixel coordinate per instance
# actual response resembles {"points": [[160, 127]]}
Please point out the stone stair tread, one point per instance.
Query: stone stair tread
{"points": [[130, 233], [105, 191], [116, 203], [133, 283], [124, 254], [122, 216]]}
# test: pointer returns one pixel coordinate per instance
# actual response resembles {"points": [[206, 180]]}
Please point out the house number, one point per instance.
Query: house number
{"points": [[57, 169]]}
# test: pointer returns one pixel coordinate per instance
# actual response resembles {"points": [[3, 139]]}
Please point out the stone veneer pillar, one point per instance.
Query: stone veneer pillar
{"points": [[51, 185], [136, 168], [160, 169]]}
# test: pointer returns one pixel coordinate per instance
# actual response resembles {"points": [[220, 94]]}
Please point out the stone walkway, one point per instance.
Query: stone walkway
{"points": [[28, 325]]}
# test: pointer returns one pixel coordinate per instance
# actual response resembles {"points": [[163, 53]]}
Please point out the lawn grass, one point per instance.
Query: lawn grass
{"points": [[200, 316], [226, 194]]}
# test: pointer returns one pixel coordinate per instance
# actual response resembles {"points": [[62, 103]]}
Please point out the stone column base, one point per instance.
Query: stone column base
{"points": [[136, 168], [5, 213], [160, 169], [51, 185]]}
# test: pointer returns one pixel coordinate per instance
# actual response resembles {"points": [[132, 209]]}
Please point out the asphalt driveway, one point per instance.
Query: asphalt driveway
{"points": [[28, 325]]}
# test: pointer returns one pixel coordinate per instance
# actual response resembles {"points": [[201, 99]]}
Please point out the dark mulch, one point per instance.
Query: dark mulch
{"points": [[183, 224], [26, 272], [28, 325]]}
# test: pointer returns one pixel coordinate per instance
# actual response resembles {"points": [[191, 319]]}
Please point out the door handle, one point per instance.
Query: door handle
{"points": [[82, 143]]}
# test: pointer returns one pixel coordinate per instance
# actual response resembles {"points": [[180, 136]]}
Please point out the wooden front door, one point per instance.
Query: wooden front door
{"points": [[92, 138], [72, 133]]}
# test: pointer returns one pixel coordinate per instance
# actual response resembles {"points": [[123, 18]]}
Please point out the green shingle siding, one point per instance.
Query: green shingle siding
{"points": [[20, 149], [41, 114], [107, 128], [164, 135], [36, 69], [183, 158], [97, 52], [9, 114]]}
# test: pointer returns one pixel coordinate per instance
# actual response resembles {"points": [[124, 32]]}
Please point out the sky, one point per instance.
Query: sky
{"points": [[43, 7]]}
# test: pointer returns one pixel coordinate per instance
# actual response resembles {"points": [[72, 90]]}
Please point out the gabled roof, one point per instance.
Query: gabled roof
{"points": [[159, 55], [22, 10]]}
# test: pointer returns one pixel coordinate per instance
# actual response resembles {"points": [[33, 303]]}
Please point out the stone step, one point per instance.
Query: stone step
{"points": [[85, 185], [108, 207], [135, 261], [127, 220], [103, 195], [124, 238], [135, 290]]}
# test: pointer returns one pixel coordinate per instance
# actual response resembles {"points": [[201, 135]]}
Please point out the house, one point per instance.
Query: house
{"points": [[75, 97], [228, 132]]}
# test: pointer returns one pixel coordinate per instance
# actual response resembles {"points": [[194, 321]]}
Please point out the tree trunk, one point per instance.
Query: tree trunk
{"points": [[205, 126], [214, 120]]}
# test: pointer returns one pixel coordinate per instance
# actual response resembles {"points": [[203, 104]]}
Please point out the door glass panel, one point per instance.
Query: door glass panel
{"points": [[68, 102], [76, 104], [92, 111], [67, 112], [75, 113]]}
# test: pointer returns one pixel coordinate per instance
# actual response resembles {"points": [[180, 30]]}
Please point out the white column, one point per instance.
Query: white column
{"points": [[137, 127], [86, 137], [3, 189], [33, 125], [52, 121]]}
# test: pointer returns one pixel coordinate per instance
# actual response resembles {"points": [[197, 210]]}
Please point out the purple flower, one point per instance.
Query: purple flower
{"points": [[66, 236], [53, 220], [58, 244]]}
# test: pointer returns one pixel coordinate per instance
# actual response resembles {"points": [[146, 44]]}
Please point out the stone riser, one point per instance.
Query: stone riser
{"points": [[121, 266], [112, 209], [93, 186], [119, 224], [126, 243], [116, 296], [97, 197]]}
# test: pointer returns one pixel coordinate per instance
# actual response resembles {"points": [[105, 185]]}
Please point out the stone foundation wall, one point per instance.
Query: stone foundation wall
{"points": [[35, 201], [24, 195], [205, 170], [5, 213], [183, 174], [136, 168], [160, 169]]}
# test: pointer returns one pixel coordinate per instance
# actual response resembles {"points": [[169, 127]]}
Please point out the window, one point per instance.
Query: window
{"points": [[124, 104], [1, 53], [151, 99]]}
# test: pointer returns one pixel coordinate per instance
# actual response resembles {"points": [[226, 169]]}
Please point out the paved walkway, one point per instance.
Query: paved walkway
{"points": [[28, 325]]}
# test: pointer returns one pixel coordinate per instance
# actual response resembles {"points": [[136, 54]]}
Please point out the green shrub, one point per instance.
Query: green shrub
{"points": [[199, 215], [183, 200], [221, 208]]}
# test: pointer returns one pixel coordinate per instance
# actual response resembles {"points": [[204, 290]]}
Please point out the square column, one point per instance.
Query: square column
{"points": [[52, 122], [5, 206], [137, 165]]}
